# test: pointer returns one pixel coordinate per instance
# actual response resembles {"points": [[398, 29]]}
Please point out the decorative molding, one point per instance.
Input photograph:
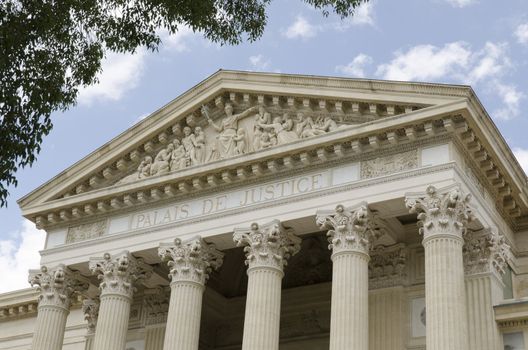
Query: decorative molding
{"points": [[486, 251], [389, 164], [191, 261], [388, 266], [119, 273], [350, 229], [57, 285], [86, 231], [443, 211], [156, 305], [267, 246]]}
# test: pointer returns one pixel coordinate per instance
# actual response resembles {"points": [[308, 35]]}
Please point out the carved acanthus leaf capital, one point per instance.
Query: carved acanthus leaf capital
{"points": [[269, 245], [57, 285], [90, 309], [486, 251], [349, 229], [192, 260], [441, 211], [118, 273]]}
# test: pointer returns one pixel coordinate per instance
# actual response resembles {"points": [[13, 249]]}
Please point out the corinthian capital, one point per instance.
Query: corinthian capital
{"points": [[486, 251], [57, 285], [269, 245], [190, 261], [118, 273], [90, 309], [445, 211], [349, 229]]}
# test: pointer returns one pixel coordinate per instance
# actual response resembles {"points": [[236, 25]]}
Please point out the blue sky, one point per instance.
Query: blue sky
{"points": [[477, 42]]}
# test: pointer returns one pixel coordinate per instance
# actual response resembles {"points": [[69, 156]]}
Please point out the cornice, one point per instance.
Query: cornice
{"points": [[343, 143]]}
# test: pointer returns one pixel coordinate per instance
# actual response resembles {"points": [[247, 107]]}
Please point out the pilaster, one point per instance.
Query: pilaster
{"points": [[442, 216], [267, 249], [117, 274], [57, 286], [485, 260], [90, 308], [190, 264], [350, 235]]}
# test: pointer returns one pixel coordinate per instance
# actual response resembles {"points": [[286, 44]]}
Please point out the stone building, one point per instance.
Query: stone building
{"points": [[274, 211]]}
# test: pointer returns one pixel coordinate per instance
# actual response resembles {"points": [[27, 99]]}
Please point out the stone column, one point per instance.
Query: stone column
{"points": [[118, 274], [350, 238], [443, 216], [267, 249], [57, 286], [190, 264], [485, 260], [90, 310]]}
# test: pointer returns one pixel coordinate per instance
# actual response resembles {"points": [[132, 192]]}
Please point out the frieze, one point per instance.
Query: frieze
{"points": [[389, 164], [86, 231], [387, 266]]}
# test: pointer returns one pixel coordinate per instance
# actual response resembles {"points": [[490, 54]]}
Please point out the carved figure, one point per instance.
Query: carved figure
{"points": [[144, 167], [227, 129], [178, 156], [189, 143], [161, 163], [326, 124], [241, 141], [265, 141], [306, 127], [199, 145], [283, 135]]}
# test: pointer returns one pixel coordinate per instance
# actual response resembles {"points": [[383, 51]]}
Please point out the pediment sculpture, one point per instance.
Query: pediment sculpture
{"points": [[233, 134]]}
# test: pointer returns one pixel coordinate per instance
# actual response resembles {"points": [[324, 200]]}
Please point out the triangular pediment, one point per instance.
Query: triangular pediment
{"points": [[226, 120]]}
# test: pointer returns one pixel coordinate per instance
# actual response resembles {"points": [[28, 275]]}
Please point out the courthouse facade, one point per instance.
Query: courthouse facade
{"points": [[273, 211]]}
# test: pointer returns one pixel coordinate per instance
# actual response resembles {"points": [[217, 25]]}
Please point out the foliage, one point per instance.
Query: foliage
{"points": [[51, 48]]}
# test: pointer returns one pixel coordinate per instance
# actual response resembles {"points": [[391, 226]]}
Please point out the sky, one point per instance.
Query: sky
{"points": [[477, 42]]}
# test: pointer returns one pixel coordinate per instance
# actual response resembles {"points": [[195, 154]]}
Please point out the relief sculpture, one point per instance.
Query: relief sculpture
{"points": [[228, 137]]}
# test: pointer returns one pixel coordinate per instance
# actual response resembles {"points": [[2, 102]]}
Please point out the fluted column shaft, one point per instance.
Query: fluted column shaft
{"points": [[112, 324], [185, 304], [445, 299], [57, 286], [350, 233], [50, 328], [267, 249], [443, 215], [263, 305], [117, 275], [190, 265], [349, 310], [154, 337]]}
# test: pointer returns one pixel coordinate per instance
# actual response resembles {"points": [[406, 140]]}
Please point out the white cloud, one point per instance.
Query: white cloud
{"points": [[489, 62], [427, 62], [461, 3], [521, 33], [301, 28], [178, 41], [258, 62], [121, 73], [522, 157], [356, 68], [511, 98], [18, 254], [364, 14]]}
